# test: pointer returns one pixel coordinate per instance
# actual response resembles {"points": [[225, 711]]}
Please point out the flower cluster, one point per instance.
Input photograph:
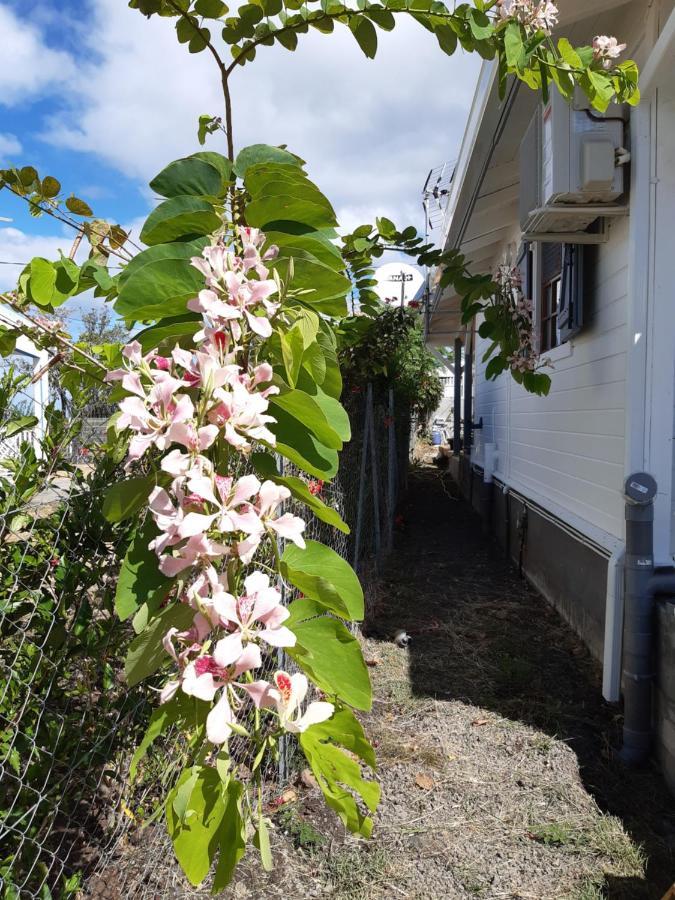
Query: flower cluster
{"points": [[203, 408], [535, 15], [607, 49], [519, 309]]}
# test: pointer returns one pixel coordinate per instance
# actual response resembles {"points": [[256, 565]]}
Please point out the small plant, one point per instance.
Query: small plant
{"points": [[554, 834], [303, 834]]}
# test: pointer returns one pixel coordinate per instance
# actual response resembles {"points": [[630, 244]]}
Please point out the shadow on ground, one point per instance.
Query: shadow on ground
{"points": [[483, 636]]}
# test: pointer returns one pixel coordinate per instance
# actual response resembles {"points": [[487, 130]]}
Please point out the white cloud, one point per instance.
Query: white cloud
{"points": [[29, 67], [369, 130], [9, 146]]}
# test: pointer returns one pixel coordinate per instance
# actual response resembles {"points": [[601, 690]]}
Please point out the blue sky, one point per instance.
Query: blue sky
{"points": [[96, 95]]}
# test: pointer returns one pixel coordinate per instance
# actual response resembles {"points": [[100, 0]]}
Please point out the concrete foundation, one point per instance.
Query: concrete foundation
{"points": [[665, 691]]}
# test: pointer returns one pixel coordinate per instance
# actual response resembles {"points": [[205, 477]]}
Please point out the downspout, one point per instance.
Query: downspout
{"points": [[611, 665], [642, 586], [457, 418]]}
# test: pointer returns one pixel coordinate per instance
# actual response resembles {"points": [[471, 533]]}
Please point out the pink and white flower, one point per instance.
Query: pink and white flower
{"points": [[607, 49], [288, 694], [258, 614]]}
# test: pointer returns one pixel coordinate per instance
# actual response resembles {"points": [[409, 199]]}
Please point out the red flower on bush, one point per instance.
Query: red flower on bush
{"points": [[315, 487]]}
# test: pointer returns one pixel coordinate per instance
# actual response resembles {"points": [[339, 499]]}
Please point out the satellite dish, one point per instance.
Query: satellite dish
{"points": [[392, 278]]}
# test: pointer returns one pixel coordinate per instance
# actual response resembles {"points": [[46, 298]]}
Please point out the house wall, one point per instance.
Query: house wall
{"points": [[569, 447]]}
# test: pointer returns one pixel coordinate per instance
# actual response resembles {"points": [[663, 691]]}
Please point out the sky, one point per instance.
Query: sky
{"points": [[102, 98]]}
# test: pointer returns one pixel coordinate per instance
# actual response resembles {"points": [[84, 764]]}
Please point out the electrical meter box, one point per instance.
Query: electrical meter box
{"points": [[568, 166]]}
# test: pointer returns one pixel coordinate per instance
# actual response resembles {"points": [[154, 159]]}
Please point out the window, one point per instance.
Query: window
{"points": [[553, 278], [549, 306]]}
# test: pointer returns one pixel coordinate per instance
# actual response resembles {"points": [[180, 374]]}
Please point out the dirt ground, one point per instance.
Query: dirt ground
{"points": [[495, 746]]}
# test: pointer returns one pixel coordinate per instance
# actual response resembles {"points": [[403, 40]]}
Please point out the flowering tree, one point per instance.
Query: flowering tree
{"points": [[240, 292]]}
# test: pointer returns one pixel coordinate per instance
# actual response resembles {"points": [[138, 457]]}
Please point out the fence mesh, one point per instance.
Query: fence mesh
{"points": [[69, 823]]}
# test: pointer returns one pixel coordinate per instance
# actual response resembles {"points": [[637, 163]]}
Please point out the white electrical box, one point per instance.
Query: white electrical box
{"points": [[568, 162]]}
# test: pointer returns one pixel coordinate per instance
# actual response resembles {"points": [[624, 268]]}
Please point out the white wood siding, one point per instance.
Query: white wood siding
{"points": [[569, 447]]}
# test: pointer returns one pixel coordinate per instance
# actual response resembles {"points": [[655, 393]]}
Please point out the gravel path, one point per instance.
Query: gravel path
{"points": [[494, 746]]}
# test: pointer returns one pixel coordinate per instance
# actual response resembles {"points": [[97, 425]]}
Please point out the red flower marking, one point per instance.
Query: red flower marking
{"points": [[283, 682]]}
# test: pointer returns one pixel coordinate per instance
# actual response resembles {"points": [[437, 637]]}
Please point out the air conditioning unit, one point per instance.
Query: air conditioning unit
{"points": [[571, 170]]}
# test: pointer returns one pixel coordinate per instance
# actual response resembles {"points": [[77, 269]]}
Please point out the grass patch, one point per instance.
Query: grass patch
{"points": [[555, 834], [608, 837], [352, 873]]}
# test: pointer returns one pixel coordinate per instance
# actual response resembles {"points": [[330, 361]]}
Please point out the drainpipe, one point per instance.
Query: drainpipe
{"points": [[642, 585], [457, 420], [489, 451]]}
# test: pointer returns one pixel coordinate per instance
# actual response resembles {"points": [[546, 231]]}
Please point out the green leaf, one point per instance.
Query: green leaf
{"points": [[262, 842], [146, 653], [513, 44], [191, 176], [231, 835], [126, 498], [292, 351], [338, 774], [195, 836], [296, 443], [16, 426], [265, 465], [140, 581], [308, 412], [277, 208], [169, 332], [50, 187], [569, 54], [323, 575], [210, 9], [381, 17], [333, 410], [159, 281], [78, 207], [365, 34], [331, 656], [263, 153], [179, 217], [42, 281]]}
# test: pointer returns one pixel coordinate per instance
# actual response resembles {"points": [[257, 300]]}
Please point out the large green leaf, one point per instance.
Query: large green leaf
{"points": [[195, 833], [42, 281], [169, 332], [146, 653], [231, 835], [315, 243], [159, 282], [263, 153], [338, 774], [196, 175], [283, 207], [335, 413], [323, 575], [296, 443], [318, 285], [309, 413], [331, 656], [365, 34], [125, 498], [140, 582], [264, 465], [179, 217]]}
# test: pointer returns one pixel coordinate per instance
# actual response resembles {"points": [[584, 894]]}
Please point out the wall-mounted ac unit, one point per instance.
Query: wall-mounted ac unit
{"points": [[570, 174]]}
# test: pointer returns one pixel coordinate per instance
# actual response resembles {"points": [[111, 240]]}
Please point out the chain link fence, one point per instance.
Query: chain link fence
{"points": [[70, 825]]}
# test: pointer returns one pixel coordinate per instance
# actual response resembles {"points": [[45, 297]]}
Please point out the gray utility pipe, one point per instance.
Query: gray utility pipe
{"points": [[642, 585]]}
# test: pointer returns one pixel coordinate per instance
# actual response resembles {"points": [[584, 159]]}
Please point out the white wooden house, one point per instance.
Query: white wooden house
{"points": [[560, 461]]}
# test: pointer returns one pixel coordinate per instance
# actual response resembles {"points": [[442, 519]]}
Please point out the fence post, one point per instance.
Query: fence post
{"points": [[362, 484], [392, 479], [374, 475]]}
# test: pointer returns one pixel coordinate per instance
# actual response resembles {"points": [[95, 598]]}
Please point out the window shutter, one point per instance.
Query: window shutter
{"points": [[526, 274], [571, 312]]}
